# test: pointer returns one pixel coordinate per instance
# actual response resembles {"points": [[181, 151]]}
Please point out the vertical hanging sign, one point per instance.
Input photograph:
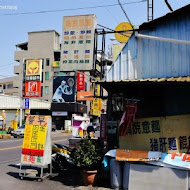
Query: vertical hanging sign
{"points": [[78, 42], [80, 81]]}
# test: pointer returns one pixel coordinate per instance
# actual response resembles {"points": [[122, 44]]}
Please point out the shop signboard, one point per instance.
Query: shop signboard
{"points": [[80, 81], [95, 112], [33, 70], [56, 64], [64, 89], [103, 126], [85, 95], [26, 103], [78, 42], [32, 89], [124, 36], [36, 147], [164, 134]]}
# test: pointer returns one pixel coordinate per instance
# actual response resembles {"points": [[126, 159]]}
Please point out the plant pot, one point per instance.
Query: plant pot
{"points": [[89, 177]]}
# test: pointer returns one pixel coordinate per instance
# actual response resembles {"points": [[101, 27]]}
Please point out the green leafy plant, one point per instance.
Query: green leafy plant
{"points": [[88, 154]]}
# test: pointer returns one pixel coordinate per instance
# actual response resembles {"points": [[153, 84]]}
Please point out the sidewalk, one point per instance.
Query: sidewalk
{"points": [[71, 177]]}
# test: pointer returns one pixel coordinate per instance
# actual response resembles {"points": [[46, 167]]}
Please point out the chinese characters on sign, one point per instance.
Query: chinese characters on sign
{"points": [[162, 143], [103, 126], [33, 78], [80, 81], [145, 127], [34, 140], [157, 139], [78, 42], [32, 89]]}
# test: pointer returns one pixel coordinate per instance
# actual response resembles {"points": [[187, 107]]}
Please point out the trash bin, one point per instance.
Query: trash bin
{"points": [[115, 174], [126, 169]]}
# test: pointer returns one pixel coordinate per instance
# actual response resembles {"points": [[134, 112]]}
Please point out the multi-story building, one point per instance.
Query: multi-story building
{"points": [[42, 45], [6, 86]]}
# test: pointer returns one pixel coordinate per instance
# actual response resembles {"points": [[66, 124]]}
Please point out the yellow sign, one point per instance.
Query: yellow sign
{"points": [[95, 112], [56, 64], [97, 89], [36, 147], [164, 134], [97, 104], [35, 135], [33, 67], [124, 36]]}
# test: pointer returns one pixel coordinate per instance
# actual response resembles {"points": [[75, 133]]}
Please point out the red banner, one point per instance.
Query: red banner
{"points": [[80, 81], [32, 152], [32, 89]]}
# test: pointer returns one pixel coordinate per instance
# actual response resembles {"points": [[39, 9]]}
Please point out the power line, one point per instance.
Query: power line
{"points": [[80, 8], [6, 65], [5, 76]]}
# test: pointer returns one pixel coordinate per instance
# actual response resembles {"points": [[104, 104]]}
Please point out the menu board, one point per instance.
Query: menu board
{"points": [[78, 42], [36, 148]]}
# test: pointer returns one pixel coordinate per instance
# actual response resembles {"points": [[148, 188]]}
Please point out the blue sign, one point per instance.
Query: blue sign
{"points": [[26, 103]]}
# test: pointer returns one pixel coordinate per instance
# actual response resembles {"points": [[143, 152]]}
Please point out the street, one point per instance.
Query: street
{"points": [[10, 153], [10, 149]]}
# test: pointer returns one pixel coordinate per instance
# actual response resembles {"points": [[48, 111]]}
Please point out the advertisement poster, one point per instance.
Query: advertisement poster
{"points": [[35, 150], [78, 42], [64, 89], [32, 89]]}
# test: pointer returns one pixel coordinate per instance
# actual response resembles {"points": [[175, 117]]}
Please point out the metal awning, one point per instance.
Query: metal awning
{"points": [[122, 85], [171, 79]]}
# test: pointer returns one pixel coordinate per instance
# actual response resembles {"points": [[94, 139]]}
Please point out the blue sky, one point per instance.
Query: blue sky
{"points": [[15, 27]]}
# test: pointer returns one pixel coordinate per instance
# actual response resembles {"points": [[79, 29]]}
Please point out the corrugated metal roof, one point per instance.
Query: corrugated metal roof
{"points": [[148, 58], [171, 79], [181, 11], [13, 102]]}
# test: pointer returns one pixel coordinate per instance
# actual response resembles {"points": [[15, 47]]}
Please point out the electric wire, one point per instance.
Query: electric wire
{"points": [[6, 65], [79, 8]]}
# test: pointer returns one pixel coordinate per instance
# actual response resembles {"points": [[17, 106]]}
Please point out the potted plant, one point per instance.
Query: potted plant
{"points": [[88, 157]]}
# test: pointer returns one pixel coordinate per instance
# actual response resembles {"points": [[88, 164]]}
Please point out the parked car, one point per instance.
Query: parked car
{"points": [[19, 133], [53, 126]]}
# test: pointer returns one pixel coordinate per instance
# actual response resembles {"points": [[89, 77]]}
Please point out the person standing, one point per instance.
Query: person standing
{"points": [[90, 130]]}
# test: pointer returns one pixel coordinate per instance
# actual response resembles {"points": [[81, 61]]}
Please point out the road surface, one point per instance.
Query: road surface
{"points": [[10, 153]]}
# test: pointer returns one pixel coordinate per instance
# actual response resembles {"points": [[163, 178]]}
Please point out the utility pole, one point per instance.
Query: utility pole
{"points": [[150, 10], [21, 92]]}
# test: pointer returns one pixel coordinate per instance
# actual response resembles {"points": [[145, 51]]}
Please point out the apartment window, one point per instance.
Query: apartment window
{"points": [[46, 90], [4, 86], [42, 77], [10, 85], [41, 91], [46, 75], [47, 62], [42, 63]]}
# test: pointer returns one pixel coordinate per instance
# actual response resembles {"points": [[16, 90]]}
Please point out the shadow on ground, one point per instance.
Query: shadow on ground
{"points": [[71, 176]]}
